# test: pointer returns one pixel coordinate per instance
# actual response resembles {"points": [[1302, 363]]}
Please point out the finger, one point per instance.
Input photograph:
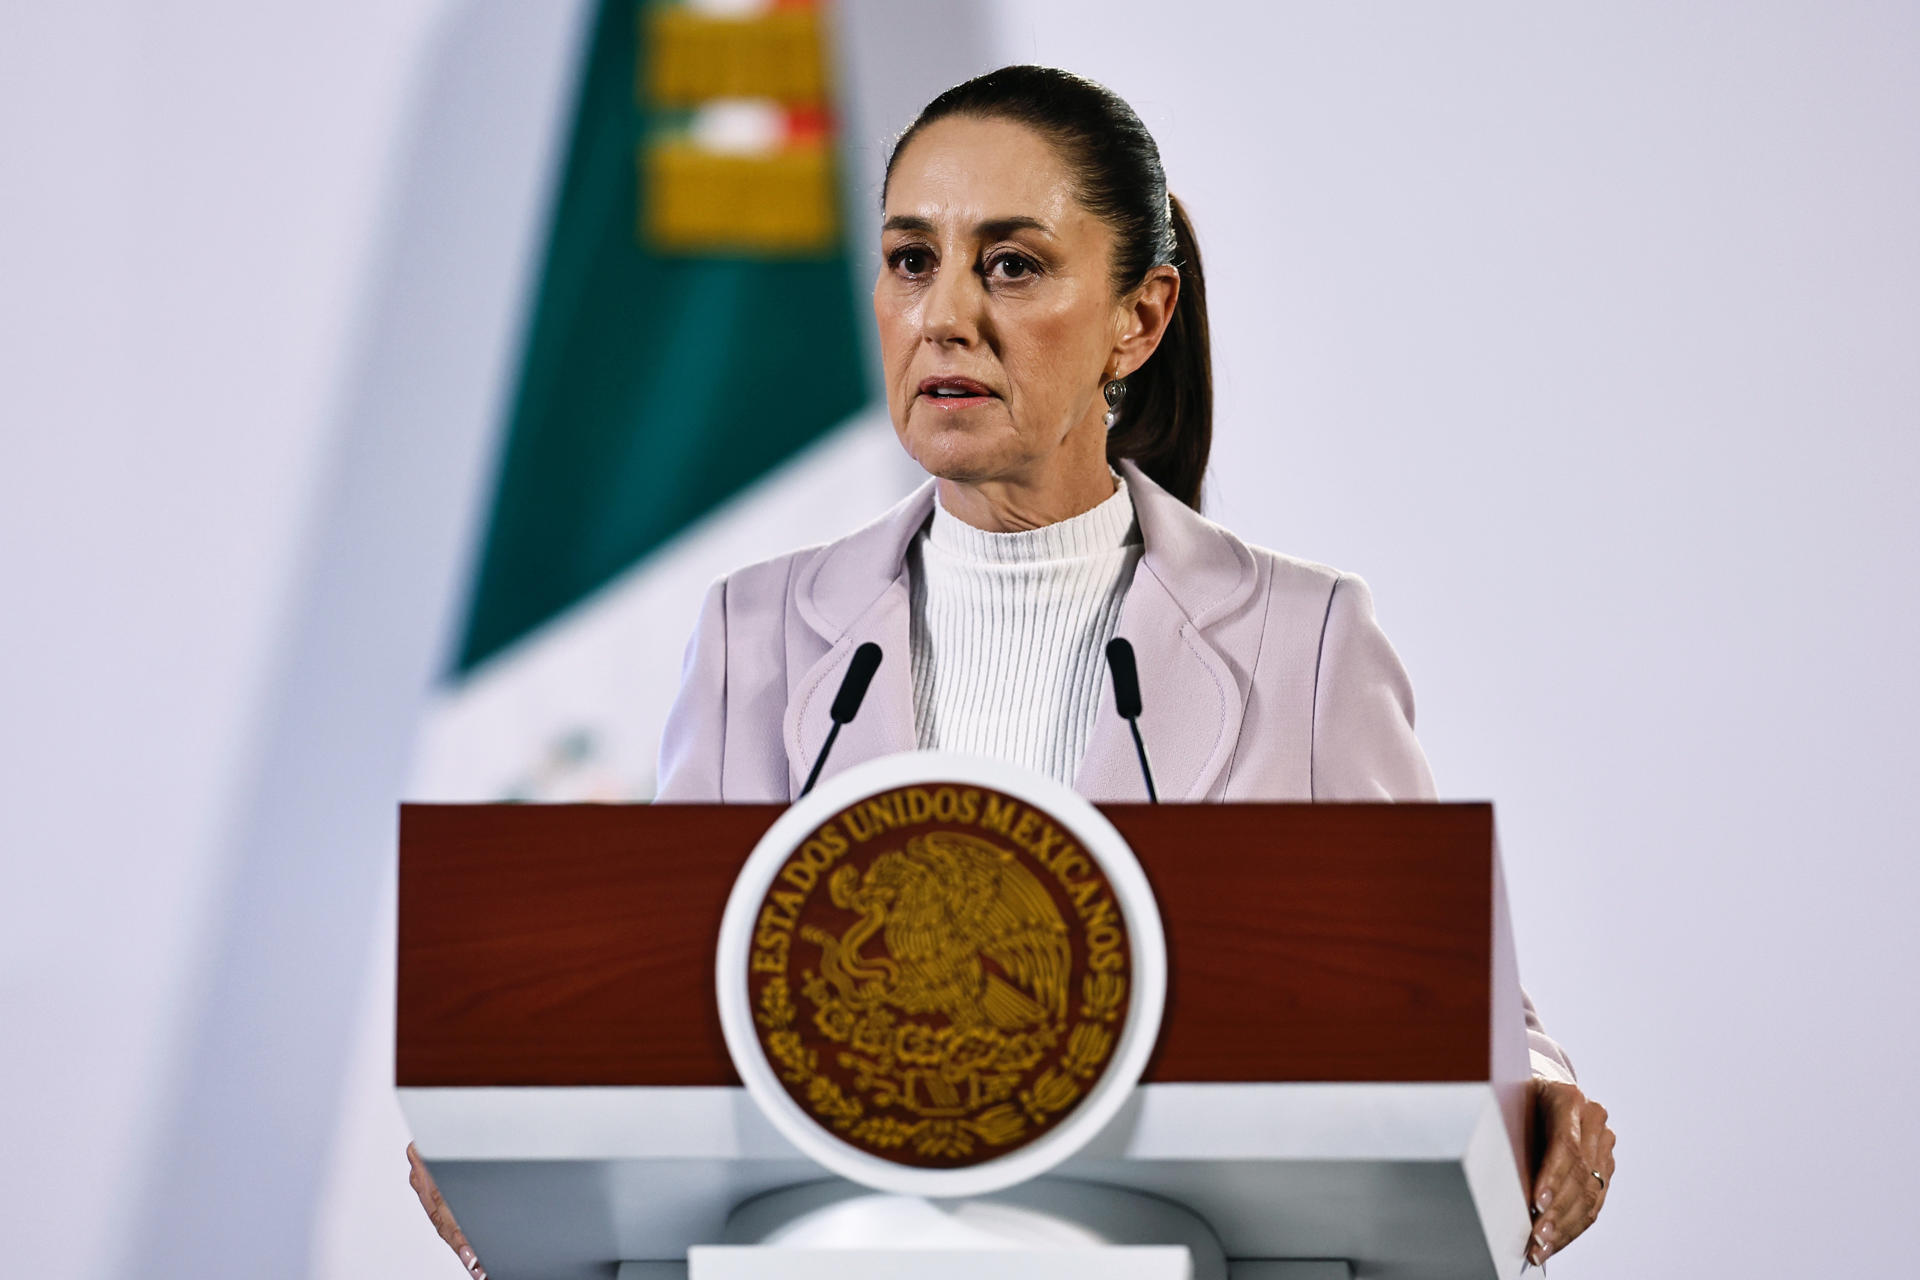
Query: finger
{"points": [[1560, 1143], [1554, 1187], [1551, 1232], [440, 1214], [1575, 1209], [421, 1181], [469, 1259], [429, 1193], [456, 1239], [444, 1223]]}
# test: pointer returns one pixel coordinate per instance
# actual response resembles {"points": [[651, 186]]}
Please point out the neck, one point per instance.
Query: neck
{"points": [[1010, 505]]}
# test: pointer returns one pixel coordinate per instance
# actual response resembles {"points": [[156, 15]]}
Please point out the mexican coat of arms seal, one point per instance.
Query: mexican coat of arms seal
{"points": [[937, 974]]}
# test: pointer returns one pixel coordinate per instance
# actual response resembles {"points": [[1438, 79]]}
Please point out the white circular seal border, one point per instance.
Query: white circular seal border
{"points": [[1097, 836]]}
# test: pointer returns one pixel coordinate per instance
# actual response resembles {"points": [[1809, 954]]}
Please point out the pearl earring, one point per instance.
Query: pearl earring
{"points": [[1115, 391]]}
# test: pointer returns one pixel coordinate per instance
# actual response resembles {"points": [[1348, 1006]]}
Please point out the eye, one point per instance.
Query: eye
{"points": [[910, 259], [1011, 266]]}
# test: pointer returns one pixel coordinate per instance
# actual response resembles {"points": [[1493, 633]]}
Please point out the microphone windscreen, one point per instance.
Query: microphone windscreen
{"points": [[866, 660], [1126, 678]]}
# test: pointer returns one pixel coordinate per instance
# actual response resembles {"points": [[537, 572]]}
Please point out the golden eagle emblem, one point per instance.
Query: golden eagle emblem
{"points": [[930, 993], [970, 934]]}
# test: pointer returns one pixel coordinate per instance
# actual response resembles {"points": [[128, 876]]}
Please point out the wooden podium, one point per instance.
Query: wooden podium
{"points": [[1338, 1088]]}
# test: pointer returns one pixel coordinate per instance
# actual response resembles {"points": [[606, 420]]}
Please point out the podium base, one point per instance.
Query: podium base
{"points": [[1243, 1270], [1051, 1228], [774, 1262]]}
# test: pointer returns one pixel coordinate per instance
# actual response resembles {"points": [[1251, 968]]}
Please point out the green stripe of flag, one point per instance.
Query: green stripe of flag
{"points": [[652, 387]]}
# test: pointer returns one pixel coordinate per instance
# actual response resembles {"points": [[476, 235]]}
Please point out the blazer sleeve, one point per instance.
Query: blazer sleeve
{"points": [[692, 749], [1363, 743], [1548, 1058], [1364, 747]]}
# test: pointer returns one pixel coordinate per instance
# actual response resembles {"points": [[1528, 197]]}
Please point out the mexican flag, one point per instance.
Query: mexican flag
{"points": [[692, 394]]}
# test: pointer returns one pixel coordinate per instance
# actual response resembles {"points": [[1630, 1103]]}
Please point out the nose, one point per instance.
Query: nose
{"points": [[950, 315]]}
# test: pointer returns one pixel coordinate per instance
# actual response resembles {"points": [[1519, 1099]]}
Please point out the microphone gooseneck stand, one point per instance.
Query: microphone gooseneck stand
{"points": [[866, 660]]}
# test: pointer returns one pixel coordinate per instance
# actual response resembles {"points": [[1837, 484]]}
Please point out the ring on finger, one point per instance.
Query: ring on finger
{"points": [[1597, 1178]]}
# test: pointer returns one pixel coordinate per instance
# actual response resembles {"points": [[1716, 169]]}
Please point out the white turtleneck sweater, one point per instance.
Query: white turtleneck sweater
{"points": [[1010, 632]]}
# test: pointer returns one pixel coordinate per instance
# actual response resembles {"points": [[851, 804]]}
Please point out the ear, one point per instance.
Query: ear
{"points": [[1143, 318]]}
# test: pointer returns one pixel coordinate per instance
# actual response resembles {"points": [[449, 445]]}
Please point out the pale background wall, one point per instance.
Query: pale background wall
{"points": [[1587, 336], [261, 265], [1590, 335]]}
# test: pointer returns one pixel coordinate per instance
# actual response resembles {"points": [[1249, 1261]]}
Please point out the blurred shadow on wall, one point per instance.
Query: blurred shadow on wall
{"points": [[239, 1154]]}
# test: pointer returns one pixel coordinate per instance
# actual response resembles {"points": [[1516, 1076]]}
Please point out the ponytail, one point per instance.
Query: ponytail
{"points": [[1165, 423]]}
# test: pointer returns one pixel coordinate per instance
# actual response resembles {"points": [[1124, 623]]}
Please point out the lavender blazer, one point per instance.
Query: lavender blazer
{"points": [[1263, 677]]}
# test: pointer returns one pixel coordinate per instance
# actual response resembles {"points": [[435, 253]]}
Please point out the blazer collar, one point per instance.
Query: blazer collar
{"points": [[1192, 574], [1207, 572], [835, 588]]}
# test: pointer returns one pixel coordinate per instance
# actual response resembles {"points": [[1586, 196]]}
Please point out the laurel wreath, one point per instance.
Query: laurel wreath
{"points": [[876, 1048]]}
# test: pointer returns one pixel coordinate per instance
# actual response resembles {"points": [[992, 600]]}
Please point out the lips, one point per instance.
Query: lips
{"points": [[954, 392]]}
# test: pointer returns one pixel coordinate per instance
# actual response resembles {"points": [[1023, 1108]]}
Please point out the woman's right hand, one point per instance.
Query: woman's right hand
{"points": [[442, 1217]]}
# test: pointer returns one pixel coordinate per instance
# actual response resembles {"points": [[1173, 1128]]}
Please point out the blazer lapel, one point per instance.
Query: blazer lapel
{"points": [[884, 724], [1192, 573], [853, 592], [1190, 706]]}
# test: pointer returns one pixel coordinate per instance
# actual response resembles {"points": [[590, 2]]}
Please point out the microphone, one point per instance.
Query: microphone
{"points": [[846, 703], [1126, 700]]}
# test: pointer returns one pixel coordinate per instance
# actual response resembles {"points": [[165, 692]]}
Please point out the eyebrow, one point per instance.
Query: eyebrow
{"points": [[992, 228]]}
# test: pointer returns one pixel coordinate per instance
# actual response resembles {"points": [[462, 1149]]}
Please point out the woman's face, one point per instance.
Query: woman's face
{"points": [[998, 321]]}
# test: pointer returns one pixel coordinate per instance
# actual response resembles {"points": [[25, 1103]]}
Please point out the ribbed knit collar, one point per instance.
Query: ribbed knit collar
{"points": [[1107, 527]]}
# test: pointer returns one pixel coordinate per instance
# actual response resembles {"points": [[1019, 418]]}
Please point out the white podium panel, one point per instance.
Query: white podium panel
{"points": [[1397, 1181]]}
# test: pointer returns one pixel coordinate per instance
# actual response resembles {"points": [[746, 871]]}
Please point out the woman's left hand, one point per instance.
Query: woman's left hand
{"points": [[1575, 1166], [442, 1217]]}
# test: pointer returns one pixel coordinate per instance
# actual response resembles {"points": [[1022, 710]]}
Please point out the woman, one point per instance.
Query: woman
{"points": [[1043, 332]]}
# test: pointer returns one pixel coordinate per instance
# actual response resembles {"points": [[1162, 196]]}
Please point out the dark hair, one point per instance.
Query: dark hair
{"points": [[1165, 422]]}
